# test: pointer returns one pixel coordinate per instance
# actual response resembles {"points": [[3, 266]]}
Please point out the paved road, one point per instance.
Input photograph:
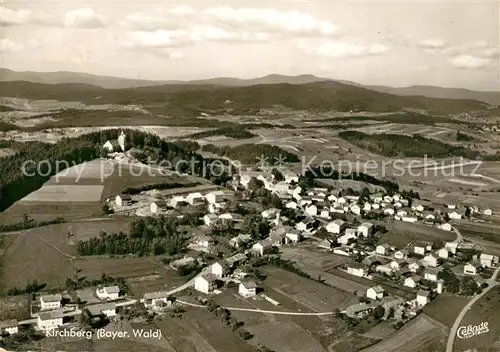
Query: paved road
{"points": [[260, 310], [459, 238], [453, 332]]}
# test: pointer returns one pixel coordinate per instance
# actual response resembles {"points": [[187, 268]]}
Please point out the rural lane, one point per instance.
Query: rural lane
{"points": [[260, 310], [459, 238], [451, 338]]}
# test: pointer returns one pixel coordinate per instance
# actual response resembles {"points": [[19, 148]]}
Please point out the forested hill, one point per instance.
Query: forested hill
{"points": [[15, 184], [320, 96]]}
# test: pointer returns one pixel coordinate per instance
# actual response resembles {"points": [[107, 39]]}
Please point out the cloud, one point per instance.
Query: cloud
{"points": [[78, 18], [291, 23], [9, 17], [83, 18], [470, 62], [164, 19], [8, 46], [432, 44], [75, 54], [344, 50], [159, 39]]}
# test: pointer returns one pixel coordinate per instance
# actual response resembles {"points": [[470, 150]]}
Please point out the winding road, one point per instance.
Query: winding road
{"points": [[453, 332], [260, 310]]}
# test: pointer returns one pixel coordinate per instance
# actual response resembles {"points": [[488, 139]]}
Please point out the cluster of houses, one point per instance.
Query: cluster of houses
{"points": [[51, 310]]}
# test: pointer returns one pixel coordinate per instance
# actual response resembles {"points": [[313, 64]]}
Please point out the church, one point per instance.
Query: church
{"points": [[115, 145]]}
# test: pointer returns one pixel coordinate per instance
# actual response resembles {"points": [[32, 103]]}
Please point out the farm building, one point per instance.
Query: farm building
{"points": [[50, 320], [108, 293], [8, 327], [431, 274], [412, 281], [50, 301], [376, 292], [293, 236], [423, 297], [158, 205], [357, 269], [103, 309], [263, 247], [365, 229], [205, 283], [215, 197], [122, 200], [488, 260], [472, 268], [336, 226], [195, 198], [156, 300], [247, 289]]}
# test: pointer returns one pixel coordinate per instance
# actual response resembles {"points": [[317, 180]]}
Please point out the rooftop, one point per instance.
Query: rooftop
{"points": [[156, 295], [249, 284], [51, 298]]}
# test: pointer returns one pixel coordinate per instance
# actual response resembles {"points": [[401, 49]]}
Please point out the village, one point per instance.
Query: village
{"points": [[351, 225]]}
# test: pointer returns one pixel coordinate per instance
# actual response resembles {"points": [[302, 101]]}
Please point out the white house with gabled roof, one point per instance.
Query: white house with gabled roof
{"points": [[336, 226], [108, 292]]}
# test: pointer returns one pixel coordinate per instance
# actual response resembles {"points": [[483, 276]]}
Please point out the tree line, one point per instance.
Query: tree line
{"points": [[146, 236], [254, 153]]}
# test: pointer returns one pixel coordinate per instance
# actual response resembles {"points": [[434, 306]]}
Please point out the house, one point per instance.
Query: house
{"points": [[430, 217], [452, 206], [235, 260], [413, 265], [421, 247], [269, 213], [290, 176], [357, 269], [346, 251], [325, 214], [376, 292], [359, 310], [291, 205], [8, 327], [219, 269], [228, 218], [204, 241], [50, 301], [431, 274], [103, 309], [122, 200], [487, 212], [158, 205], [195, 198], [240, 240], [383, 249], [445, 227], [385, 269], [50, 320], [454, 215], [401, 254], [365, 229], [412, 281], [312, 210], [263, 247], [409, 219], [341, 200], [293, 236], [156, 300], [398, 264], [472, 268], [430, 260], [210, 219], [355, 209], [422, 297], [108, 293], [115, 145], [215, 197], [398, 205], [205, 283], [389, 211], [401, 213], [306, 225], [367, 207], [177, 201], [336, 226], [419, 207], [451, 247], [443, 253], [247, 289], [346, 238], [488, 260]]}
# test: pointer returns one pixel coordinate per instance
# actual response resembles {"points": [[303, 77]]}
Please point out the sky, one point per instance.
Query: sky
{"points": [[448, 43]]}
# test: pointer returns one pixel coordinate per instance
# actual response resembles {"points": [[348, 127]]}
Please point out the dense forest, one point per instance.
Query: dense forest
{"points": [[395, 145], [237, 132], [16, 181], [307, 180], [253, 153], [147, 236]]}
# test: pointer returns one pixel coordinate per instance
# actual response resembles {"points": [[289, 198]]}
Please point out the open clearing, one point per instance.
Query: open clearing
{"points": [[413, 337], [14, 307], [401, 233], [445, 308], [484, 310], [65, 193]]}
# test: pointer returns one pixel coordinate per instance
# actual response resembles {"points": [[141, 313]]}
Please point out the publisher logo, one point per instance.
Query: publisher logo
{"points": [[466, 332]]}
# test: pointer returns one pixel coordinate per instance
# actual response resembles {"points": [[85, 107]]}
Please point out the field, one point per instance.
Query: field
{"points": [[401, 233], [413, 337], [445, 308], [485, 310], [15, 307], [65, 193]]}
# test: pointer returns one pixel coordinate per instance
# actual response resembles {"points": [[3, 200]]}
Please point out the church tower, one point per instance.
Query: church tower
{"points": [[121, 141]]}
